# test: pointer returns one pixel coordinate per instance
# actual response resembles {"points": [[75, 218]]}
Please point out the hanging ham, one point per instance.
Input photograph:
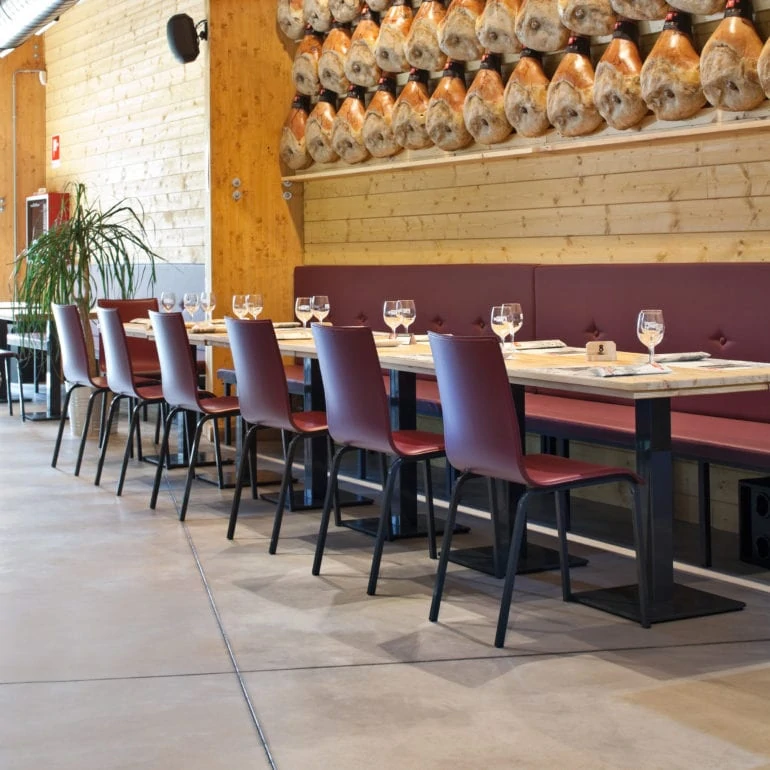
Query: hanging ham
{"points": [[670, 75], [331, 64], [763, 68], [345, 10], [317, 14], [496, 27], [347, 135], [318, 130], [291, 19], [526, 94], [422, 48], [361, 66], [394, 28], [484, 108], [728, 61], [378, 121], [617, 86], [380, 5], [304, 70], [444, 119], [538, 26], [641, 10], [292, 148], [409, 112], [457, 31], [587, 17], [571, 107], [697, 7]]}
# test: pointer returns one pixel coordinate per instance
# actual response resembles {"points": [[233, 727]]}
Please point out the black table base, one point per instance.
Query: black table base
{"points": [[180, 460], [264, 478], [535, 558], [402, 528], [305, 500], [685, 602]]}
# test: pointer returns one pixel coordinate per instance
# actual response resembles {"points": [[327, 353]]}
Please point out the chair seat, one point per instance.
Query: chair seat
{"points": [[100, 382], [412, 443], [7, 354], [221, 405], [309, 422], [551, 470], [150, 392]]}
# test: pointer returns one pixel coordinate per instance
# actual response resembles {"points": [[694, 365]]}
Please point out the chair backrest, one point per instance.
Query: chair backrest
{"points": [[356, 402], [481, 429], [72, 343], [120, 374], [143, 353], [263, 394], [177, 366]]}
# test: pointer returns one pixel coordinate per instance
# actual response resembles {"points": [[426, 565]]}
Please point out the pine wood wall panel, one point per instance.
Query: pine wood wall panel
{"points": [[133, 121]]}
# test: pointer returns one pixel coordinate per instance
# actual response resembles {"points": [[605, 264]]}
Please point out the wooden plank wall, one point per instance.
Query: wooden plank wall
{"points": [[30, 146], [133, 121]]}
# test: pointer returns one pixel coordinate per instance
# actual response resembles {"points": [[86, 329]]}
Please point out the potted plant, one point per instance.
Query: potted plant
{"points": [[89, 249]]}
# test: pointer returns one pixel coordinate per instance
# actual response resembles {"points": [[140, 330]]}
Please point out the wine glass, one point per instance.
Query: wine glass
{"points": [[239, 305], [191, 303], [208, 303], [406, 313], [167, 301], [303, 309], [391, 316], [517, 321], [650, 328], [501, 320], [321, 307], [254, 305]]}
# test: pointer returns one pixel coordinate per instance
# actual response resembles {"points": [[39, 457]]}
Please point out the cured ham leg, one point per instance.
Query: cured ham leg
{"points": [[291, 19], [525, 96], [496, 27], [422, 48], [728, 62], [317, 14], [318, 130], [347, 136], [293, 147], [304, 70], [484, 108], [394, 28], [378, 121], [345, 10], [380, 5], [587, 17], [409, 112], [697, 7], [763, 68], [641, 10], [617, 86], [457, 32], [538, 26], [670, 75], [331, 64], [444, 119], [571, 106], [361, 66]]}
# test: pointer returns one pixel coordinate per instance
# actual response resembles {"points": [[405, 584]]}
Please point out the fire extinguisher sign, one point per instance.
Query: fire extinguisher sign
{"points": [[55, 151]]}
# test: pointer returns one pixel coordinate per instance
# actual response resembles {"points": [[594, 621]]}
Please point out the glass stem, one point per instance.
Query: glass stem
{"points": [[652, 354]]}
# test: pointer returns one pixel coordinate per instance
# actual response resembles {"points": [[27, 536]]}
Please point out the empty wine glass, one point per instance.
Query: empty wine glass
{"points": [[303, 309], [390, 314], [191, 303], [517, 321], [167, 301], [650, 328], [239, 305], [254, 305], [208, 303], [406, 313], [501, 320], [321, 306]]}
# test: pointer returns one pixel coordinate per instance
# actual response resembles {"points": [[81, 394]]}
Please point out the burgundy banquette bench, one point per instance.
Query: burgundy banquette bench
{"points": [[718, 308]]}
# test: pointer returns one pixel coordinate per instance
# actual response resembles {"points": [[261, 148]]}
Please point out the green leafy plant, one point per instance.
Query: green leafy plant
{"points": [[92, 248]]}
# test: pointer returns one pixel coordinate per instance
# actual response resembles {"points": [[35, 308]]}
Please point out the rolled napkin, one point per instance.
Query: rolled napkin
{"points": [[141, 321], [205, 327], [668, 358], [386, 342], [539, 344], [286, 324], [630, 371], [294, 334]]}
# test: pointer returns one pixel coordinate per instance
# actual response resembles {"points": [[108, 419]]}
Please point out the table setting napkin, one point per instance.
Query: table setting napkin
{"points": [[294, 334], [141, 322], [630, 371], [539, 344], [669, 358], [206, 327], [386, 342]]}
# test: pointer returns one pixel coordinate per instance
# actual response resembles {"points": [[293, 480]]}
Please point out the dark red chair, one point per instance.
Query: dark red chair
{"points": [[179, 381], [123, 383], [76, 370], [6, 356], [358, 418], [264, 399], [483, 438]]}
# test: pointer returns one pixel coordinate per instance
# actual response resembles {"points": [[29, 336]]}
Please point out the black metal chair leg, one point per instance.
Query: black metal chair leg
{"points": [[21, 392], [497, 539], [162, 456], [191, 467], [382, 529], [446, 544], [84, 434], [431, 511], [510, 570], [337, 513], [326, 514], [62, 420], [704, 511], [561, 531], [103, 450], [7, 367], [285, 484], [239, 479], [133, 428]]}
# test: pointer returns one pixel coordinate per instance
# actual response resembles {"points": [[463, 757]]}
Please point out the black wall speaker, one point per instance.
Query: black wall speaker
{"points": [[182, 38], [754, 514]]}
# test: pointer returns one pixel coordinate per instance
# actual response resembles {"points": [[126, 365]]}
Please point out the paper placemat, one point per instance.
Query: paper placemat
{"points": [[719, 363], [294, 334], [668, 358]]}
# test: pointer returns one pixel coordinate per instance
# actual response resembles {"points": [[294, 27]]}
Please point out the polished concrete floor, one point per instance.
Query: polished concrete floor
{"points": [[130, 640]]}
